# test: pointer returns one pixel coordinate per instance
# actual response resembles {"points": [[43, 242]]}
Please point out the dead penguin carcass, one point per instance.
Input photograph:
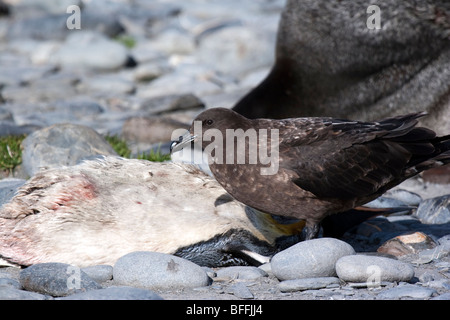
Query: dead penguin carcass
{"points": [[97, 211]]}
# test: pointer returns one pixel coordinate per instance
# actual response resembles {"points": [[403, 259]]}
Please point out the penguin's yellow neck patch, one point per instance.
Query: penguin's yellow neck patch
{"points": [[271, 229]]}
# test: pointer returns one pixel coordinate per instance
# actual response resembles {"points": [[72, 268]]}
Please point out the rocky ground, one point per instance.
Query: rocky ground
{"points": [[141, 69]]}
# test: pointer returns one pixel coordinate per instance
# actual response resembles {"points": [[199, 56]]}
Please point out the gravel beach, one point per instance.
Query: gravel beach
{"points": [[141, 69]]}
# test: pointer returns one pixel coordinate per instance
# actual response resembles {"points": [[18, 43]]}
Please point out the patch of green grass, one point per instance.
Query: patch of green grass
{"points": [[154, 156], [127, 41], [10, 152], [120, 146]]}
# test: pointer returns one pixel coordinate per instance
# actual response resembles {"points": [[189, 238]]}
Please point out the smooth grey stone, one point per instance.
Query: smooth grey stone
{"points": [[386, 202], [241, 291], [100, 273], [8, 188], [444, 296], [52, 6], [50, 88], [154, 270], [5, 115], [12, 129], [115, 293], [151, 130], [62, 145], [266, 267], [13, 283], [439, 284], [144, 13], [170, 103], [234, 47], [174, 41], [13, 74], [54, 27], [210, 272], [372, 269], [307, 284], [47, 119], [181, 81], [106, 85], [444, 244], [56, 279], [241, 272], [407, 291], [150, 71], [428, 255], [91, 51], [10, 293], [407, 197], [434, 210], [310, 259], [79, 107]]}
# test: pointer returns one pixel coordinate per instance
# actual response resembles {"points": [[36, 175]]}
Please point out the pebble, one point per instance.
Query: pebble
{"points": [[241, 291], [363, 268], [243, 273], [12, 129], [307, 284], [53, 26], [434, 210], [234, 47], [5, 115], [407, 244], [152, 270], [8, 188], [150, 71], [310, 259], [439, 175], [169, 103], [90, 50], [439, 284], [406, 291], [9, 282], [104, 85], [55, 87], [150, 129], [9, 293], [444, 243], [115, 293], [428, 255], [99, 273], [56, 279], [445, 296], [405, 196], [386, 202], [61, 145], [79, 107]]}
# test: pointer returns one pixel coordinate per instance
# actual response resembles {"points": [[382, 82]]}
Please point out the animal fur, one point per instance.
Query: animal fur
{"points": [[329, 63]]}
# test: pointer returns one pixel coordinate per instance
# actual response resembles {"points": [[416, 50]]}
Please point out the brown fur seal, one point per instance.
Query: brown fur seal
{"points": [[329, 63]]}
